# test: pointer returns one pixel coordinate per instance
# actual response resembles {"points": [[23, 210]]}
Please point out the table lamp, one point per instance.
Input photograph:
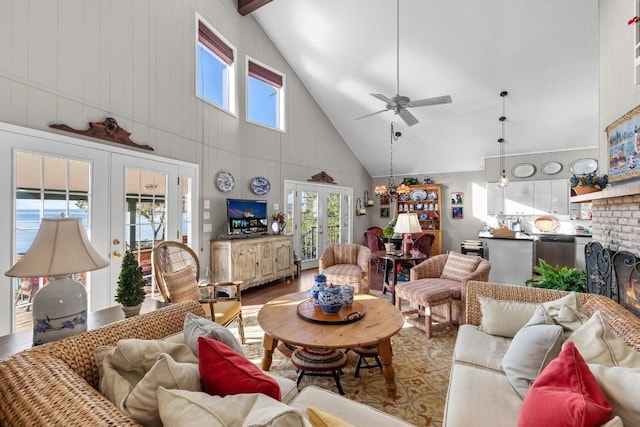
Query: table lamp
{"points": [[407, 224], [60, 248]]}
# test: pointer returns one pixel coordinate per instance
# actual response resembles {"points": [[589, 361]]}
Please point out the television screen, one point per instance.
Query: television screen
{"points": [[247, 216]]}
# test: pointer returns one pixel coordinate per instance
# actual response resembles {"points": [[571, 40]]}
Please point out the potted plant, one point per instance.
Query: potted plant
{"points": [[388, 232], [560, 278], [130, 292], [588, 183]]}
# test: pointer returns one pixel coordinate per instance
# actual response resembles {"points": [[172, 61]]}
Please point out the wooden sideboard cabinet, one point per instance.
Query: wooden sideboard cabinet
{"points": [[255, 260]]}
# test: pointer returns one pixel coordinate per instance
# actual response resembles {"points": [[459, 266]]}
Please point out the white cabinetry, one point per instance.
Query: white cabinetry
{"points": [[518, 198], [495, 197], [551, 197], [254, 260]]}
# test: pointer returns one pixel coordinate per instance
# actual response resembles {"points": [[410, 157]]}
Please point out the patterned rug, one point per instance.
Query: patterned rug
{"points": [[421, 369]]}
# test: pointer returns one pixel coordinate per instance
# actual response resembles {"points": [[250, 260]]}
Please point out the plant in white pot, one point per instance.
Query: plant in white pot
{"points": [[130, 292], [388, 232]]}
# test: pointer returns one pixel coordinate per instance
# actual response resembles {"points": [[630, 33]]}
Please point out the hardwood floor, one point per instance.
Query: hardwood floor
{"points": [[254, 298]]}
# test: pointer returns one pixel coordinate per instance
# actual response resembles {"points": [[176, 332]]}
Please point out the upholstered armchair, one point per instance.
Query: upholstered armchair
{"points": [[443, 274], [347, 263]]}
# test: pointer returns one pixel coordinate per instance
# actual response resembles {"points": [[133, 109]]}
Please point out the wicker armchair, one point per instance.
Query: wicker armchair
{"points": [[347, 263], [177, 270], [426, 287]]}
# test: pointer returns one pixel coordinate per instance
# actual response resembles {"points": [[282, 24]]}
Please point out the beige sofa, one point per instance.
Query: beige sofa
{"points": [[479, 392], [57, 383]]}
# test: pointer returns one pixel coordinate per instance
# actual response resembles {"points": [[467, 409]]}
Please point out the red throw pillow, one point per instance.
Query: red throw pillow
{"points": [[565, 394], [223, 371]]}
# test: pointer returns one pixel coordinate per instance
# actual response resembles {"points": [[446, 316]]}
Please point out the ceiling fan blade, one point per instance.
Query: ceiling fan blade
{"points": [[372, 114], [430, 101], [408, 118], [383, 98]]}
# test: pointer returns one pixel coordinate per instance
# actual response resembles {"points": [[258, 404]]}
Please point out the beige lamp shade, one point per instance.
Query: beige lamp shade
{"points": [[60, 248], [407, 223]]}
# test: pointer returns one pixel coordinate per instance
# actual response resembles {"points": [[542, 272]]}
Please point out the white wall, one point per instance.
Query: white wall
{"points": [[80, 61]]}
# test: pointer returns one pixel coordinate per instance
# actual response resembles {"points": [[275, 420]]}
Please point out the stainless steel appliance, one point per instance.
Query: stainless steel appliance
{"points": [[555, 249]]}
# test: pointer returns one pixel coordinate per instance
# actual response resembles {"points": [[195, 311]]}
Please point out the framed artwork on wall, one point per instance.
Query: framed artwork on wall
{"points": [[456, 213], [456, 198], [384, 200], [384, 212], [623, 146]]}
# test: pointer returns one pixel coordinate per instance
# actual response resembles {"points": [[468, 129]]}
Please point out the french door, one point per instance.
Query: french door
{"points": [[127, 201], [318, 216]]}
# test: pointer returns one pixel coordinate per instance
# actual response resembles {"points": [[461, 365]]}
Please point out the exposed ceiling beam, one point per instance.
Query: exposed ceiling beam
{"points": [[245, 7]]}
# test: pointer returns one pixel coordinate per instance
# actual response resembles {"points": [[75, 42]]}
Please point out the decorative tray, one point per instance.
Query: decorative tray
{"points": [[313, 313]]}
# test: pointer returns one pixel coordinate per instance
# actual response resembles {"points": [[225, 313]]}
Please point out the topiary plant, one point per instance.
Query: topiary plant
{"points": [[130, 290], [560, 278], [389, 230]]}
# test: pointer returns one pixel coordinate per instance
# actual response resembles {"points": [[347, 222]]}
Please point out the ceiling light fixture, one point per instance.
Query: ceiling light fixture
{"points": [[503, 181], [391, 190]]}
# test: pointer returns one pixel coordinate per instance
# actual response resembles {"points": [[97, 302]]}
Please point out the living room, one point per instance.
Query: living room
{"points": [[138, 68]]}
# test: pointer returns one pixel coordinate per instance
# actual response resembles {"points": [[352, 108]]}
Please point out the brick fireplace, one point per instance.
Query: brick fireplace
{"points": [[616, 225]]}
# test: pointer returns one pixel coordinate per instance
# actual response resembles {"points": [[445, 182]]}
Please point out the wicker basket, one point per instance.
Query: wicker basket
{"points": [[503, 232]]}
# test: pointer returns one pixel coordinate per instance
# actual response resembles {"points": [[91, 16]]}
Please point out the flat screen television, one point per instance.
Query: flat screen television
{"points": [[247, 216]]}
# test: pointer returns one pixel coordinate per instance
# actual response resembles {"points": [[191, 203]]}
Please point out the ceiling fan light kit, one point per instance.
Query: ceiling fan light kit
{"points": [[400, 104], [503, 181]]}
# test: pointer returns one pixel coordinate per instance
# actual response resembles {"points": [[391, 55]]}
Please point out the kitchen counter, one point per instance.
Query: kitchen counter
{"points": [[527, 236]]}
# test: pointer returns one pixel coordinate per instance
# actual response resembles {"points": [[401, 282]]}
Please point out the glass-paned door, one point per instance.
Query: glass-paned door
{"points": [[317, 216]]}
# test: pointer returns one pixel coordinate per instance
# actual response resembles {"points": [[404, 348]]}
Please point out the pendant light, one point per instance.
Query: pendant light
{"points": [[503, 181], [391, 190]]}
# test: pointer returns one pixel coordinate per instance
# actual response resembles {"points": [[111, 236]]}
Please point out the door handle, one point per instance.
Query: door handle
{"points": [[116, 254], [116, 241]]}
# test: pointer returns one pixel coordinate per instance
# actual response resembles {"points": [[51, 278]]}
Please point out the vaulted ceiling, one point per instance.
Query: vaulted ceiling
{"points": [[543, 52]]}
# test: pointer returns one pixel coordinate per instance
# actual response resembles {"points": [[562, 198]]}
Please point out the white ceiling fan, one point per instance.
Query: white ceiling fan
{"points": [[399, 104]]}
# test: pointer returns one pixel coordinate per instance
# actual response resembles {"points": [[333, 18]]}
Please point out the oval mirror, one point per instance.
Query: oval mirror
{"points": [[523, 170], [551, 168], [583, 166]]}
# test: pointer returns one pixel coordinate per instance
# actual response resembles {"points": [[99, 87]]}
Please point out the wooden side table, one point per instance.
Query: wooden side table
{"points": [[391, 278]]}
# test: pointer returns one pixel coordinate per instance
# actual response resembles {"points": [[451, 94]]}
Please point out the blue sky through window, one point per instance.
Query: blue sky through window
{"points": [[212, 78], [262, 103]]}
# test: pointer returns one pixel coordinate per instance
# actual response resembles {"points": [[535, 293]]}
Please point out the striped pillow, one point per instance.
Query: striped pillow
{"points": [[346, 254], [459, 266], [182, 285]]}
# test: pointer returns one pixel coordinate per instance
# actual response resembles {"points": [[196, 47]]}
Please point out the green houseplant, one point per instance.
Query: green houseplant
{"points": [[130, 292], [388, 232], [560, 278]]}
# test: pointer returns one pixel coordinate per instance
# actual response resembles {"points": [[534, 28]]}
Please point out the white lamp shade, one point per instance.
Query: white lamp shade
{"points": [[407, 223], [60, 248]]}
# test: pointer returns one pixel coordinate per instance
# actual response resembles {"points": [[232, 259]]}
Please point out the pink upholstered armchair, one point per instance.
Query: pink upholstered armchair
{"points": [[347, 263]]}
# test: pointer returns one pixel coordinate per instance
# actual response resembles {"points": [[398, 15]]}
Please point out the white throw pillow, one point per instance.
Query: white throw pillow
{"points": [[597, 343], [566, 312], [504, 318], [532, 348], [196, 326], [182, 408], [621, 386], [142, 403]]}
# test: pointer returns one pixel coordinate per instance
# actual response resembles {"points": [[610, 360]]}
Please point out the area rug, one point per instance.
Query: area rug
{"points": [[421, 370]]}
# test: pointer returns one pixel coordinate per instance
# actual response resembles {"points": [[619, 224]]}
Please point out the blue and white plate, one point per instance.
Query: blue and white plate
{"points": [[260, 186], [418, 195], [225, 181]]}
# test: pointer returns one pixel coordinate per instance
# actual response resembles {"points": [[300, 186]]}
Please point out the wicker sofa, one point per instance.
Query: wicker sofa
{"points": [[57, 383], [477, 356]]}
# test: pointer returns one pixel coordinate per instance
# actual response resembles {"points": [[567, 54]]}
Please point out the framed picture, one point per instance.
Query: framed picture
{"points": [[456, 198], [456, 213], [623, 146], [384, 200], [384, 212]]}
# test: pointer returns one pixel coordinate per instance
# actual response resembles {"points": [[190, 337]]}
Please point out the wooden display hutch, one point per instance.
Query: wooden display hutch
{"points": [[428, 209], [254, 260]]}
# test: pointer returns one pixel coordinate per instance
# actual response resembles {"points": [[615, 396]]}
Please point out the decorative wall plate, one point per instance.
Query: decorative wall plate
{"points": [[260, 185], [418, 195], [584, 166], [225, 181], [523, 170], [546, 223], [551, 168]]}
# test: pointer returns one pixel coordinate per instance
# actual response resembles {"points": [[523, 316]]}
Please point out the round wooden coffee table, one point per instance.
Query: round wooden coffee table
{"points": [[280, 322]]}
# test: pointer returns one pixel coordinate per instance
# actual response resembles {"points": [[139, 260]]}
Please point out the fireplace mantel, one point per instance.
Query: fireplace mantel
{"points": [[608, 193]]}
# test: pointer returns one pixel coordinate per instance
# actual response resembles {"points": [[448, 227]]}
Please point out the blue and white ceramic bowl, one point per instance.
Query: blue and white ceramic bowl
{"points": [[331, 308]]}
